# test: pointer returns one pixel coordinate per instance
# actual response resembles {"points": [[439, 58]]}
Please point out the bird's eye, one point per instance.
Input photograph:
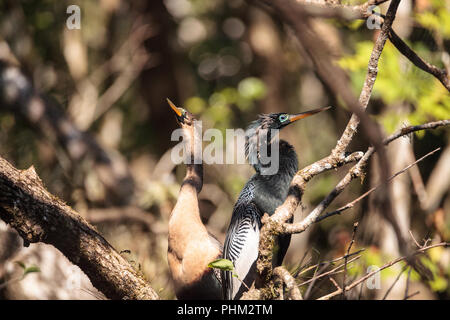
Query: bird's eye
{"points": [[283, 117]]}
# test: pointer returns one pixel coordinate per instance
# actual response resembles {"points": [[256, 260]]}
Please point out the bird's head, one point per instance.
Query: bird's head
{"points": [[281, 120], [260, 134], [184, 117]]}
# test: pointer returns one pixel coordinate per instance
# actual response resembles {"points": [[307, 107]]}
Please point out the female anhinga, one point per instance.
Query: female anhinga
{"points": [[263, 193], [191, 247]]}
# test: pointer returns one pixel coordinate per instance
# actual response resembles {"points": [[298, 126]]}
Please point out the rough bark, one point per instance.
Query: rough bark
{"points": [[38, 216]]}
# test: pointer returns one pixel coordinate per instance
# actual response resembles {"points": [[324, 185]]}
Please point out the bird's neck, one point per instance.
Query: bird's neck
{"points": [[186, 208], [194, 167], [271, 190], [194, 177]]}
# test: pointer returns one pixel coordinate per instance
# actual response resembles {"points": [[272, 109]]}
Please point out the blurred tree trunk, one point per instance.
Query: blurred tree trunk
{"points": [[160, 82], [266, 45]]}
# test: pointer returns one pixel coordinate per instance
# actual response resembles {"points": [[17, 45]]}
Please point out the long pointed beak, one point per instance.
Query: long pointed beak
{"points": [[306, 114], [174, 108]]}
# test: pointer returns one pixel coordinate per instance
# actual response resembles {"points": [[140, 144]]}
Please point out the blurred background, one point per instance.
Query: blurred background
{"points": [[87, 107]]}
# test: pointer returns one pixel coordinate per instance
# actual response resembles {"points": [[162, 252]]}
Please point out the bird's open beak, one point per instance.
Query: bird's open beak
{"points": [[174, 108], [306, 114]]}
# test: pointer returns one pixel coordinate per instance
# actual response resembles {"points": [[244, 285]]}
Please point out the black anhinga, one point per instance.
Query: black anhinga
{"points": [[263, 193]]}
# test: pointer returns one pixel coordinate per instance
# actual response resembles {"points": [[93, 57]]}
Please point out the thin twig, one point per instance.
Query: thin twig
{"points": [[412, 295], [334, 282], [395, 281], [332, 271], [331, 261], [414, 239], [407, 283], [291, 286], [355, 227], [364, 195], [440, 74], [387, 265]]}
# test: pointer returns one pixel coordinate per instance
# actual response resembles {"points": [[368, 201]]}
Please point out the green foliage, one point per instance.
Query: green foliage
{"points": [[216, 110], [440, 276], [252, 88], [27, 270], [222, 264], [225, 265], [437, 20], [424, 93]]}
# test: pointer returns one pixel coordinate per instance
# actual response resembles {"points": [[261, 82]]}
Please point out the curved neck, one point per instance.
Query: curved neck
{"points": [[261, 150], [194, 165], [271, 190]]}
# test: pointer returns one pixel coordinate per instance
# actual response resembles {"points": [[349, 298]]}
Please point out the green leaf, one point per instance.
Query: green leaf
{"points": [[222, 264], [21, 264]]}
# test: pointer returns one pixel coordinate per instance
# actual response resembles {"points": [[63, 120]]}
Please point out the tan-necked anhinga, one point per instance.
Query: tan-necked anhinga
{"points": [[191, 247], [263, 193]]}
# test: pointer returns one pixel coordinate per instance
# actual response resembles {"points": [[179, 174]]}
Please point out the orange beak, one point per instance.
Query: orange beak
{"points": [[306, 114], [174, 108]]}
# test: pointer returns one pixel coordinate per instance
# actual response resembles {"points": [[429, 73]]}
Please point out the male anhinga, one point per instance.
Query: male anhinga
{"points": [[263, 193], [191, 247]]}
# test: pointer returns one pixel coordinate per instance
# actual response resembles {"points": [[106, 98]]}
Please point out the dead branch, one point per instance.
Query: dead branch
{"points": [[329, 262], [440, 74], [355, 171], [394, 283], [355, 227], [291, 286], [335, 270], [39, 216], [362, 11], [337, 81], [352, 203], [387, 265]]}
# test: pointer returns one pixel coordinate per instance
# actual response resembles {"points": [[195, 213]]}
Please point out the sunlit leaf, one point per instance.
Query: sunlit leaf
{"points": [[222, 264]]}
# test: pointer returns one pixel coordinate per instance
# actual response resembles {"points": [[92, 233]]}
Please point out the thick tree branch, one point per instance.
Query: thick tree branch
{"points": [[291, 286], [38, 216]]}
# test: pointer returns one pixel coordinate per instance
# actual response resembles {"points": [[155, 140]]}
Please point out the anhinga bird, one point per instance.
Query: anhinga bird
{"points": [[191, 247], [263, 193]]}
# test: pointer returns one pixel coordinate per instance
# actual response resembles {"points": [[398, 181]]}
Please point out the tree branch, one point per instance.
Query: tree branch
{"points": [[39, 216], [291, 286], [336, 79], [352, 203], [440, 74], [354, 172], [387, 265], [362, 11]]}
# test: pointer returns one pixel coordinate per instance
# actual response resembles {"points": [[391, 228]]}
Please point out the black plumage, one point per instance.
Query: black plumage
{"points": [[263, 193]]}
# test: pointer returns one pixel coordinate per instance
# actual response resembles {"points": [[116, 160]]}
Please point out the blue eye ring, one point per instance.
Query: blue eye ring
{"points": [[283, 117]]}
